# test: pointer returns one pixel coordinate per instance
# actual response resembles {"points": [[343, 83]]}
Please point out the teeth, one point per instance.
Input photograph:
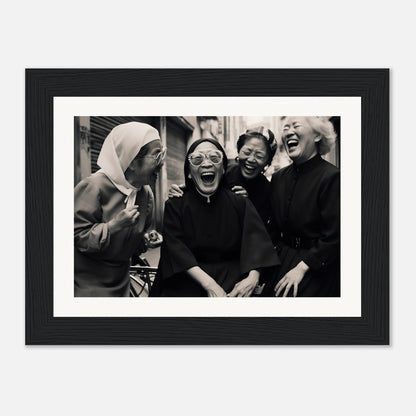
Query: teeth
{"points": [[290, 142], [249, 167], [208, 177]]}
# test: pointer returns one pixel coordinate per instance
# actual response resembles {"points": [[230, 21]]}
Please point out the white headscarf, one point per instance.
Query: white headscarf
{"points": [[119, 149]]}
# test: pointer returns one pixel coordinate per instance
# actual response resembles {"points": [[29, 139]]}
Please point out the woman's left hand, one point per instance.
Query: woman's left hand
{"points": [[239, 190], [291, 279], [153, 239], [176, 191], [245, 287]]}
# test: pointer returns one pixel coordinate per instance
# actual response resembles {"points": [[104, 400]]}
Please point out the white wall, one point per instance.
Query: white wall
{"points": [[202, 380]]}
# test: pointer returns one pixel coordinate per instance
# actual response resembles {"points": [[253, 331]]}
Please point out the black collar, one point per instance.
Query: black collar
{"points": [[206, 199], [308, 165]]}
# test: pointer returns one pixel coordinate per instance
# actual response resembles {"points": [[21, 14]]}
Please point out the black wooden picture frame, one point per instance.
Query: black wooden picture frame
{"points": [[372, 85]]}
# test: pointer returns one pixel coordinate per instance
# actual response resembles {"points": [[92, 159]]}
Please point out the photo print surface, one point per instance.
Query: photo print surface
{"points": [[243, 206]]}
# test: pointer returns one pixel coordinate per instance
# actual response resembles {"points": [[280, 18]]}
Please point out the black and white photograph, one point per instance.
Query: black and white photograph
{"points": [[207, 206]]}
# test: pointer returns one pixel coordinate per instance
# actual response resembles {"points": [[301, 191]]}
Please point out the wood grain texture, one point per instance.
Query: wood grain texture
{"points": [[372, 85]]}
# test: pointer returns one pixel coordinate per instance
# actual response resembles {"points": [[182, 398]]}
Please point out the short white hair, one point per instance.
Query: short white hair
{"points": [[325, 129]]}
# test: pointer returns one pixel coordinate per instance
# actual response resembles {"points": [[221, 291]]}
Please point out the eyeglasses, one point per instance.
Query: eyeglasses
{"points": [[214, 156], [157, 158]]}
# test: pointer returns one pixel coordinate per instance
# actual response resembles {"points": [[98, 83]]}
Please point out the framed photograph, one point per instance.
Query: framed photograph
{"points": [[70, 113]]}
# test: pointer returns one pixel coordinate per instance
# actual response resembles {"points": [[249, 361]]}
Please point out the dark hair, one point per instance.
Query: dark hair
{"points": [[260, 133], [189, 182]]}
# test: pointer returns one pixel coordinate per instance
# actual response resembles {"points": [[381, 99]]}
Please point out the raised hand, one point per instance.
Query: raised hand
{"points": [[124, 219]]}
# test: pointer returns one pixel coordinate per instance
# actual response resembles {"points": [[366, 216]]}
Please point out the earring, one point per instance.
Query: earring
{"points": [[237, 159]]}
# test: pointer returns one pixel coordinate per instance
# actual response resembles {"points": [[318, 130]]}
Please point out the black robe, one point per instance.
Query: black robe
{"points": [[258, 190], [225, 237], [306, 224]]}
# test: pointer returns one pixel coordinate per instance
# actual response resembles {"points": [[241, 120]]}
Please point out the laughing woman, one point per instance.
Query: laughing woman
{"points": [[305, 199], [114, 209], [256, 149], [215, 243]]}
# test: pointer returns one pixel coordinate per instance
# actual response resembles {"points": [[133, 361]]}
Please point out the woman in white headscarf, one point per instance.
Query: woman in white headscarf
{"points": [[114, 209]]}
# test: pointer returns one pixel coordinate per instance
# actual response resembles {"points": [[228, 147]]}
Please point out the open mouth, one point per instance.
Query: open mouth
{"points": [[250, 168], [208, 177], [291, 144]]}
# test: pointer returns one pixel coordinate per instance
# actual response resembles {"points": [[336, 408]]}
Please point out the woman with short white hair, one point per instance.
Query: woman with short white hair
{"points": [[305, 199]]}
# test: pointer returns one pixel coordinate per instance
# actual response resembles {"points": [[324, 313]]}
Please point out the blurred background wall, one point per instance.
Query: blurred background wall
{"points": [[177, 133]]}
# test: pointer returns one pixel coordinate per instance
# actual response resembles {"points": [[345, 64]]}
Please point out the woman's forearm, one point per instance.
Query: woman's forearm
{"points": [[254, 275], [302, 266], [203, 278], [212, 288]]}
